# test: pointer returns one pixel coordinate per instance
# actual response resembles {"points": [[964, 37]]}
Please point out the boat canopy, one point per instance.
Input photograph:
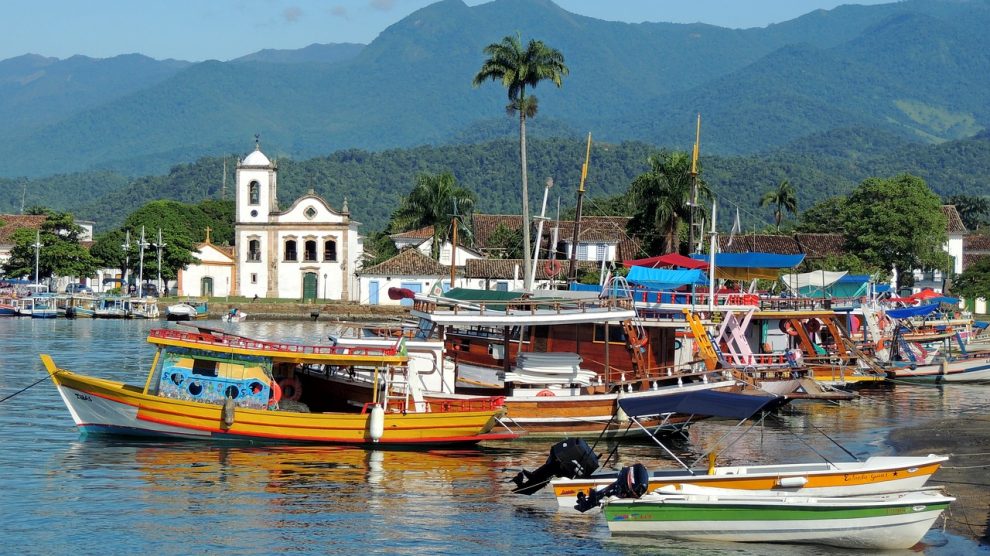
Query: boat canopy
{"points": [[670, 259], [909, 312], [824, 283], [749, 266], [708, 403], [664, 279]]}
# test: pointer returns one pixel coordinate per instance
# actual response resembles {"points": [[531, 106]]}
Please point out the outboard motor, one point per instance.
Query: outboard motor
{"points": [[571, 458], [632, 482]]}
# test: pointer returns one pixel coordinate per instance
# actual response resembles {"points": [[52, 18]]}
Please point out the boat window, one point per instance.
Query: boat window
{"points": [[205, 368], [615, 334]]}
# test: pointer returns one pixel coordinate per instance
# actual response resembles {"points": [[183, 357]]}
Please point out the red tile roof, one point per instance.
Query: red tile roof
{"points": [[421, 233], [976, 243], [956, 225], [506, 268], [9, 223], [410, 262]]}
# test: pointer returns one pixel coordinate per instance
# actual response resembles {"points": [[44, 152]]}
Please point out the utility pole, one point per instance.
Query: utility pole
{"points": [[37, 255], [572, 271], [693, 203], [142, 245]]}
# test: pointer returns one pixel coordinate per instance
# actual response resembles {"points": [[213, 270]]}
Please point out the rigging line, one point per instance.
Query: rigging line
{"points": [[37, 382]]}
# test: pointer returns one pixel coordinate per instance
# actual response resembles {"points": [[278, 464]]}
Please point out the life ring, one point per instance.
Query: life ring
{"points": [[291, 388], [677, 344], [639, 342], [276, 394], [787, 328], [545, 394], [881, 344], [812, 325], [552, 267]]}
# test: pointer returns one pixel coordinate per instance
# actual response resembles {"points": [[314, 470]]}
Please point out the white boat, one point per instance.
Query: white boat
{"points": [[142, 308], [187, 310], [886, 521]]}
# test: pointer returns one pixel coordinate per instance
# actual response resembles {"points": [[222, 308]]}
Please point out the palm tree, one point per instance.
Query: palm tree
{"points": [[661, 198], [784, 197], [433, 202], [517, 68]]}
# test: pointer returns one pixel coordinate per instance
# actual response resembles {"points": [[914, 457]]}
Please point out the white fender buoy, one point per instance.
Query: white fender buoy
{"points": [[620, 414], [376, 423]]}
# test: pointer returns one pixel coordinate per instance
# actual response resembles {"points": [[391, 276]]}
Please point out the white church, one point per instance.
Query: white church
{"points": [[307, 251]]}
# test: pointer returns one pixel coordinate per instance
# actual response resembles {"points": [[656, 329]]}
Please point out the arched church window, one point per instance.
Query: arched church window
{"points": [[254, 250], [330, 251], [290, 250], [254, 193], [310, 252]]}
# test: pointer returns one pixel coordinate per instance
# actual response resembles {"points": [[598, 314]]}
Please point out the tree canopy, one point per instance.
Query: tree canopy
{"points": [[783, 198], [59, 252], [435, 201], [974, 282], [661, 200], [896, 222]]}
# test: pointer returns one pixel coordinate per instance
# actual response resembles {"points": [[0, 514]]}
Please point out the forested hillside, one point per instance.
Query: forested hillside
{"points": [[916, 69], [373, 182]]}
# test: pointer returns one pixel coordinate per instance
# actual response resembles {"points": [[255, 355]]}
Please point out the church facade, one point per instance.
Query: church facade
{"points": [[308, 251]]}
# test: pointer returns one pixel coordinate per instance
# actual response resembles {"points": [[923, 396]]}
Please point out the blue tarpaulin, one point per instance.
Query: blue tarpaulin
{"points": [[748, 266], [909, 312], [664, 279], [949, 300], [706, 403]]}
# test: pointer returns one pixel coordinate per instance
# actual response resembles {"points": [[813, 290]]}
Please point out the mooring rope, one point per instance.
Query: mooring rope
{"points": [[37, 382]]}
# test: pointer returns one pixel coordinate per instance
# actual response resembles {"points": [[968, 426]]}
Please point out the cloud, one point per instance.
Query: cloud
{"points": [[339, 11], [383, 5], [292, 14]]}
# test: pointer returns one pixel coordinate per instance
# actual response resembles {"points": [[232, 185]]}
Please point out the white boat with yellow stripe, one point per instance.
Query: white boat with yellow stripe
{"points": [[883, 521], [210, 385]]}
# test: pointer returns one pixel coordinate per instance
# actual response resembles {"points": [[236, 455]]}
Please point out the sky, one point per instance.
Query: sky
{"points": [[196, 30]]}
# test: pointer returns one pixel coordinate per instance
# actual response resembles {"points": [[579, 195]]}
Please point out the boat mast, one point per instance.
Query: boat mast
{"points": [[693, 204], [37, 254], [141, 263], [572, 271], [539, 232]]}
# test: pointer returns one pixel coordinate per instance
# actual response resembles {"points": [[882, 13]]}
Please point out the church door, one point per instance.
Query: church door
{"points": [[309, 285], [206, 287]]}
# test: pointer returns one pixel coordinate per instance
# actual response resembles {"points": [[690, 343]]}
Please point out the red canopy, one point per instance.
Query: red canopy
{"points": [[670, 259], [926, 293]]}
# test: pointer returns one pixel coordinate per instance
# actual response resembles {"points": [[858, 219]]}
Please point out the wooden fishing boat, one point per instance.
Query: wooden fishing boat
{"points": [[885, 521], [206, 384], [545, 354]]}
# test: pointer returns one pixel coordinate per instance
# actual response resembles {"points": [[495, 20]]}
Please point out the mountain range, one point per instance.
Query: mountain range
{"points": [[916, 72]]}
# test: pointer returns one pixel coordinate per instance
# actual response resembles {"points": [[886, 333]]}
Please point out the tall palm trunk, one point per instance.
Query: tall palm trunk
{"points": [[527, 256]]}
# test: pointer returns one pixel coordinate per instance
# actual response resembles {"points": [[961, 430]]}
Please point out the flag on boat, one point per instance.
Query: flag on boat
{"points": [[736, 228]]}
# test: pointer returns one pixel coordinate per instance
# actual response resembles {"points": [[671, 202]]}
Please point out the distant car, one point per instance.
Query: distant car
{"points": [[78, 288]]}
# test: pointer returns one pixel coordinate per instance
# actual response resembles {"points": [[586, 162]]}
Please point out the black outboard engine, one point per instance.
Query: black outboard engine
{"points": [[632, 482], [571, 458]]}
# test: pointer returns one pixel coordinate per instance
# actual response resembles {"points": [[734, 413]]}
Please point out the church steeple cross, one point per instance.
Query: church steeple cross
{"points": [[208, 234]]}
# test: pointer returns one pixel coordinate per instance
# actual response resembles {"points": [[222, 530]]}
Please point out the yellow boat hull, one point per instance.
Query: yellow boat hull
{"points": [[110, 407]]}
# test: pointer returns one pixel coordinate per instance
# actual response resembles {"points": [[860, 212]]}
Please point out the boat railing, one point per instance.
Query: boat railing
{"points": [[757, 360], [517, 306], [207, 339], [401, 405]]}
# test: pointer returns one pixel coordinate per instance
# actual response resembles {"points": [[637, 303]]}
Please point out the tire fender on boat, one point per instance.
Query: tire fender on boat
{"points": [[787, 327], [291, 388]]}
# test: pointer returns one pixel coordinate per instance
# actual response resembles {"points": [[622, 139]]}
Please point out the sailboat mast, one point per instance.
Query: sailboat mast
{"points": [[572, 271], [694, 184]]}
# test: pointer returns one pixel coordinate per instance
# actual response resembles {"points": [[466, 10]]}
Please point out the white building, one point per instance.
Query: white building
{"points": [[308, 251], [409, 270], [214, 276]]}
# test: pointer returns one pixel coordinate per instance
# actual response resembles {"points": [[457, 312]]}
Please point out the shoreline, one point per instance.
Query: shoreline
{"points": [[966, 440]]}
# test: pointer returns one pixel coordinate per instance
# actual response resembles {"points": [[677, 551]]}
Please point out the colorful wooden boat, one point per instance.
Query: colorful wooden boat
{"points": [[206, 384], [886, 521], [187, 310]]}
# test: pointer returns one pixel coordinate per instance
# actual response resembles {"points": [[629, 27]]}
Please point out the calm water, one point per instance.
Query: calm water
{"points": [[65, 494]]}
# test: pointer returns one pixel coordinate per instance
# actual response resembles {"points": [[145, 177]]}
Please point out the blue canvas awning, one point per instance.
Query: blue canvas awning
{"points": [[663, 279], [708, 403], [909, 312], [748, 266]]}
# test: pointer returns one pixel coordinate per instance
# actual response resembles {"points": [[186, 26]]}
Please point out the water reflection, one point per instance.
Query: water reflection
{"points": [[67, 494]]}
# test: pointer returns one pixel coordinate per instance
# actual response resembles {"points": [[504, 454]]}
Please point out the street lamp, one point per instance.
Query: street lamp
{"points": [[159, 247], [142, 245], [127, 260], [324, 286], [37, 255]]}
